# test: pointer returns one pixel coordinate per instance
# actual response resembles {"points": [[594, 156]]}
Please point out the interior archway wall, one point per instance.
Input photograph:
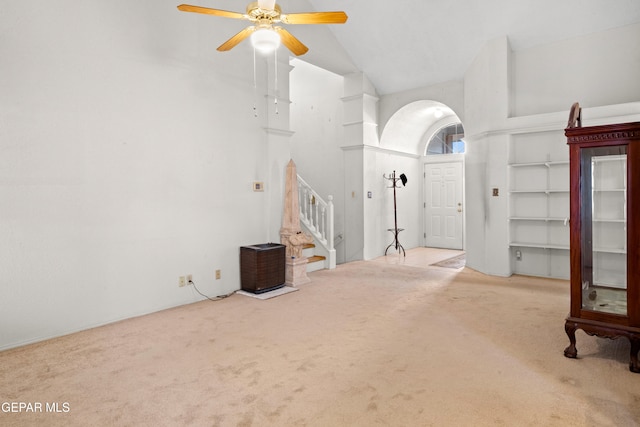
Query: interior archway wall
{"points": [[401, 148], [408, 128]]}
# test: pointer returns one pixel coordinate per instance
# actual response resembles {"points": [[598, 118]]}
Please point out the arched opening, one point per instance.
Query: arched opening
{"points": [[433, 133]]}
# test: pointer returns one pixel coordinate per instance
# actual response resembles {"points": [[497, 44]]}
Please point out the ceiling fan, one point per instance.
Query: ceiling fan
{"points": [[266, 36]]}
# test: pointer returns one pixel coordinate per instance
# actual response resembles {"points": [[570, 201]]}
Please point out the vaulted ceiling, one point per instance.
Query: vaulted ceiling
{"points": [[404, 44]]}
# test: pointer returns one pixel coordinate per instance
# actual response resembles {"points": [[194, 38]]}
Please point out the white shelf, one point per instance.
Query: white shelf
{"points": [[545, 219], [538, 245], [536, 164], [564, 247], [610, 250], [527, 191], [542, 191], [538, 218], [621, 158]]}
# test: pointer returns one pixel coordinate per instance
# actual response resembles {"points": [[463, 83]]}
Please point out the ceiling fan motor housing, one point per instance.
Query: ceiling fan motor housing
{"points": [[256, 13]]}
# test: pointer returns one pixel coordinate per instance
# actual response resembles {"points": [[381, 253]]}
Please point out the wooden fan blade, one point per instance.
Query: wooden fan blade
{"points": [[314, 18], [208, 11], [293, 44], [233, 41]]}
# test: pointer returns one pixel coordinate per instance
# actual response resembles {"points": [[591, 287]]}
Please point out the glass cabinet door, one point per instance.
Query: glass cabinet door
{"points": [[604, 229]]}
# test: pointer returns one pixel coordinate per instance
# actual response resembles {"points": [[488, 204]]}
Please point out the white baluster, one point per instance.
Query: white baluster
{"points": [[306, 204], [312, 221], [300, 205], [323, 231], [317, 221]]}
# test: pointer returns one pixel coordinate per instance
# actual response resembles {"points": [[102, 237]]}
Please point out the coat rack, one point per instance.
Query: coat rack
{"points": [[395, 230]]}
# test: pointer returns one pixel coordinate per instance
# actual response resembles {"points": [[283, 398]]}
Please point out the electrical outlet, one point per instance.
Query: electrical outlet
{"points": [[189, 279], [217, 274], [181, 281]]}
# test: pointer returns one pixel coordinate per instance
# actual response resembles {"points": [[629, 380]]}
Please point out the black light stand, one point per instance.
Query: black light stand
{"points": [[395, 230]]}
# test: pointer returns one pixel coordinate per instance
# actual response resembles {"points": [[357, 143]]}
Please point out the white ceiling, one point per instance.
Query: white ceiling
{"points": [[405, 44]]}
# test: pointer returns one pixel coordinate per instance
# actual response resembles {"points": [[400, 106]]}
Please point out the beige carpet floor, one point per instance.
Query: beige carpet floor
{"points": [[388, 342]]}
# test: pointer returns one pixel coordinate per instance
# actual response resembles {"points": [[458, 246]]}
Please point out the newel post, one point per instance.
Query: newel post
{"points": [[330, 222]]}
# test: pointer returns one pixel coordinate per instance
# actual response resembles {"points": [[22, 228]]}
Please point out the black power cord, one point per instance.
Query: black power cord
{"points": [[217, 298]]}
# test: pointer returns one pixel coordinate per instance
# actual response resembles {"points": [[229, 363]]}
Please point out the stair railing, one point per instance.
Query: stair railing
{"points": [[317, 216]]}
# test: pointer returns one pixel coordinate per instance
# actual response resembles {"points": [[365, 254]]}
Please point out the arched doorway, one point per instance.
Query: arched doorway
{"points": [[412, 129]]}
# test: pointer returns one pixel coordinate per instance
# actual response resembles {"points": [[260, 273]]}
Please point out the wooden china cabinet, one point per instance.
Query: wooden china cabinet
{"points": [[604, 232]]}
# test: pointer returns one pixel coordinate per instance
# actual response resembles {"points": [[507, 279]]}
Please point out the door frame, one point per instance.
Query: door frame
{"points": [[442, 159]]}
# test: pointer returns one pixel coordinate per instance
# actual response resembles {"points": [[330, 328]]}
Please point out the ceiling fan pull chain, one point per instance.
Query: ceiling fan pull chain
{"points": [[255, 89], [275, 56]]}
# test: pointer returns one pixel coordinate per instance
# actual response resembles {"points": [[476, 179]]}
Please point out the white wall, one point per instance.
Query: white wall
{"points": [[533, 82], [450, 94], [316, 119], [596, 70], [486, 88], [354, 199], [507, 92], [503, 93], [360, 105], [128, 147], [379, 212]]}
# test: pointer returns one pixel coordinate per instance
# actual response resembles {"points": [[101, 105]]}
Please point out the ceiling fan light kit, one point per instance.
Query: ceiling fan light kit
{"points": [[264, 14], [265, 40], [266, 37]]}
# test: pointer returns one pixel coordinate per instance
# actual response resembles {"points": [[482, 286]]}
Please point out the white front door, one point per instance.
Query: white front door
{"points": [[443, 205]]}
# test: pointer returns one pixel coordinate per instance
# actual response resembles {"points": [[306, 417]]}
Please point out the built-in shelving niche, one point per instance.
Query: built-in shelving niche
{"points": [[539, 204]]}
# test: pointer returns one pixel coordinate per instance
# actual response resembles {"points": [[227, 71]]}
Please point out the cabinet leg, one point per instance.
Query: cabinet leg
{"points": [[571, 351], [635, 347]]}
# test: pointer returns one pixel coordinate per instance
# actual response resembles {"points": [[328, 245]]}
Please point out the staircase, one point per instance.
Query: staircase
{"points": [[316, 218], [314, 262]]}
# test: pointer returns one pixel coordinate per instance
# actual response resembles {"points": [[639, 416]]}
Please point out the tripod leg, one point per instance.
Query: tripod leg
{"points": [[385, 251]]}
